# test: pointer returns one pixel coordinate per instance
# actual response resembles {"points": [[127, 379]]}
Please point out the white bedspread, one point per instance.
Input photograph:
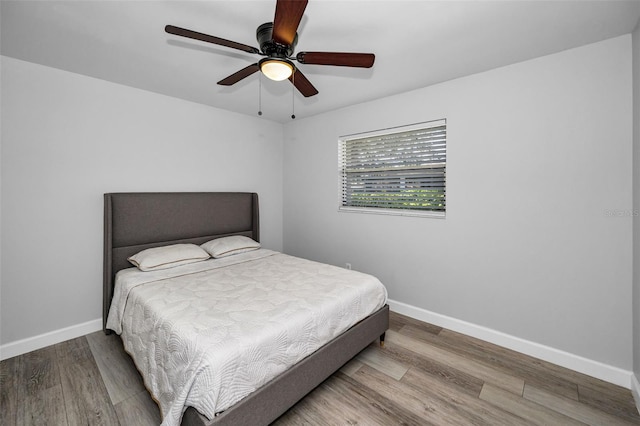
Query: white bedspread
{"points": [[208, 334]]}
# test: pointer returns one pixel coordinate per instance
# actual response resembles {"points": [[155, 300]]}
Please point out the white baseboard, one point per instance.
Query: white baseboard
{"points": [[577, 363], [23, 346], [635, 390]]}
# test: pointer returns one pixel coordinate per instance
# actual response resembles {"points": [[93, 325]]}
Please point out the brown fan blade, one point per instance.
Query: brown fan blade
{"points": [[303, 85], [361, 60], [209, 39], [286, 21], [236, 77]]}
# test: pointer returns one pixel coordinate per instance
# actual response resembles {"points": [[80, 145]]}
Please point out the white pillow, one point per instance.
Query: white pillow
{"points": [[168, 257], [226, 246]]}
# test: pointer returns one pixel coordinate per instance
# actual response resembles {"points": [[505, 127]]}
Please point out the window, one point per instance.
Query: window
{"points": [[397, 171]]}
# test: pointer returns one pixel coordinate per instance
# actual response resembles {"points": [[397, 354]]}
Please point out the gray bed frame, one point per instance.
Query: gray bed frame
{"points": [[136, 221]]}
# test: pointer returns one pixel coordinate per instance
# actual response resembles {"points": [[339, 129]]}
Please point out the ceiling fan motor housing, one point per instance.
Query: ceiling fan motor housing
{"points": [[264, 34], [278, 40]]}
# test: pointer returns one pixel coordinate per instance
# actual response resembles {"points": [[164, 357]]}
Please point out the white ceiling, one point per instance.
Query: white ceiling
{"points": [[416, 43]]}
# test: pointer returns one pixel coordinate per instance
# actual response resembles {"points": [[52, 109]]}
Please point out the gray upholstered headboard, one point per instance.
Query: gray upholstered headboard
{"points": [[136, 221]]}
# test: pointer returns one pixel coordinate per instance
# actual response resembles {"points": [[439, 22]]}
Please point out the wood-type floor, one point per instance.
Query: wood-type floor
{"points": [[425, 375]]}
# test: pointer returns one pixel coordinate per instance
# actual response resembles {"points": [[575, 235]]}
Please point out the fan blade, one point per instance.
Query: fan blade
{"points": [[236, 77], [286, 21], [209, 39], [361, 60], [303, 85]]}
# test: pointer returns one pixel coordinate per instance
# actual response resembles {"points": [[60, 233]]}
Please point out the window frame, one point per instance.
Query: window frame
{"points": [[342, 140]]}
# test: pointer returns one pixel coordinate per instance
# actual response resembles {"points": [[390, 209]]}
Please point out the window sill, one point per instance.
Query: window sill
{"points": [[393, 212]]}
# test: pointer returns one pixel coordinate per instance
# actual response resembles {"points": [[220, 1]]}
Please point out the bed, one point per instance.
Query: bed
{"points": [[137, 221]]}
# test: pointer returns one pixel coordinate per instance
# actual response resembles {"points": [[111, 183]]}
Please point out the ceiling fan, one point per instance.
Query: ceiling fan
{"points": [[277, 41]]}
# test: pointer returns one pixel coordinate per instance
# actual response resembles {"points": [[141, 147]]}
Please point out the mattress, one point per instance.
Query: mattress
{"points": [[208, 334]]}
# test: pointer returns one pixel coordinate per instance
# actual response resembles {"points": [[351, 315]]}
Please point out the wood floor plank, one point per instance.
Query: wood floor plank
{"points": [[85, 396], [465, 383], [44, 408], [506, 360], [414, 400], [531, 411], [351, 367], [74, 350], [581, 379], [423, 399], [397, 321], [139, 410], [297, 416], [9, 373], [331, 408], [544, 374], [100, 342], [571, 408], [377, 407], [325, 406], [468, 409], [382, 362], [466, 365], [306, 413], [610, 399], [38, 371], [119, 373]]}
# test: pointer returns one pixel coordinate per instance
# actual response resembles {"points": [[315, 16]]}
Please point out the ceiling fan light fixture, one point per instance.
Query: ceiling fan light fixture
{"points": [[276, 69]]}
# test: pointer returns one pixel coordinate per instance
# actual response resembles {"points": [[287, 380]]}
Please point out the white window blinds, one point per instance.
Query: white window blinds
{"points": [[395, 170]]}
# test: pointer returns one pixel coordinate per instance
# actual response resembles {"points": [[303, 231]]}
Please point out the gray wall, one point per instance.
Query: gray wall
{"points": [[636, 204], [539, 165], [66, 140]]}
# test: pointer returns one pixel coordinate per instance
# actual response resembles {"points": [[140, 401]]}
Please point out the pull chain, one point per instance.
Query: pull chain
{"points": [[260, 94], [293, 95]]}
